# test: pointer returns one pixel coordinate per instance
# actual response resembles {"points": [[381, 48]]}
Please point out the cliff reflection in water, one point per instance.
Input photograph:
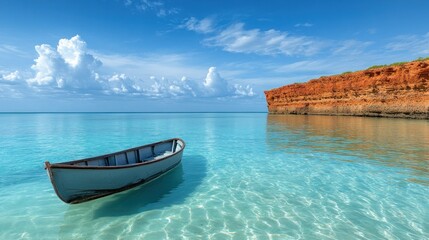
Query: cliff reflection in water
{"points": [[394, 142]]}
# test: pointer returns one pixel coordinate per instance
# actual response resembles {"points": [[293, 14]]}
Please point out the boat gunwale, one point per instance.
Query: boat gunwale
{"points": [[68, 165]]}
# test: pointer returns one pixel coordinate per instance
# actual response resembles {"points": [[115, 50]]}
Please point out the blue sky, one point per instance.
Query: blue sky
{"points": [[165, 55]]}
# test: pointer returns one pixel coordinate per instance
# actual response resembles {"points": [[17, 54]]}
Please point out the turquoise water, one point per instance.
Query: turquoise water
{"points": [[243, 176]]}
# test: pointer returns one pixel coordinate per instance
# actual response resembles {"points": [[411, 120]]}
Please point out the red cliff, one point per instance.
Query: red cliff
{"points": [[392, 91]]}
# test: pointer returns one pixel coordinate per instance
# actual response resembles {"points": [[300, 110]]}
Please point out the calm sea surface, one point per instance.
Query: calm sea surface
{"points": [[243, 176]]}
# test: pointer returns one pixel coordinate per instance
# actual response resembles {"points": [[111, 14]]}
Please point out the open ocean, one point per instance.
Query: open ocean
{"points": [[243, 176]]}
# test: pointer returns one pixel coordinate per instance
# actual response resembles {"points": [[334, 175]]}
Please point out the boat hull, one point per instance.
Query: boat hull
{"points": [[81, 184]]}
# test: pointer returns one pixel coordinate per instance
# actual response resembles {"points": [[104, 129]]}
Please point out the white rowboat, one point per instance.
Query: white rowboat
{"points": [[90, 178]]}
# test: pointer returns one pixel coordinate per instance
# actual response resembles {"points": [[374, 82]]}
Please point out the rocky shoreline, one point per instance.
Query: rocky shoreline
{"points": [[399, 90]]}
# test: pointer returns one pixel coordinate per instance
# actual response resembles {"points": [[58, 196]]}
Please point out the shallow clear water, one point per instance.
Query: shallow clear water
{"points": [[243, 176]]}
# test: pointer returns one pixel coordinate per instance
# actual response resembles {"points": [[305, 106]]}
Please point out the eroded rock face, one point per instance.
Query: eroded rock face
{"points": [[393, 91]]}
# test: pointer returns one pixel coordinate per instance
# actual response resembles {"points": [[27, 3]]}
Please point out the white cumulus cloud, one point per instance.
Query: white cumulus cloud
{"points": [[216, 86], [72, 50], [178, 88], [12, 76], [118, 83], [243, 91], [212, 86], [68, 66]]}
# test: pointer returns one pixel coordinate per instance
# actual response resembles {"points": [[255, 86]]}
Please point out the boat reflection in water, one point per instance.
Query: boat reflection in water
{"points": [[400, 143]]}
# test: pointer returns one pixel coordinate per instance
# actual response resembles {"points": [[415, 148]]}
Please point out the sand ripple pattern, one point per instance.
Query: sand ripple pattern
{"points": [[243, 176]]}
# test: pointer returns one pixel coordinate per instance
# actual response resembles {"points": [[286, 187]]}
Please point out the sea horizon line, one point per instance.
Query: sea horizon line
{"points": [[101, 112]]}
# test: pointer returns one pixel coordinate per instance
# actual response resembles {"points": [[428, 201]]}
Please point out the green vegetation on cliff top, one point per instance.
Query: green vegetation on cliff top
{"points": [[397, 63], [390, 65]]}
